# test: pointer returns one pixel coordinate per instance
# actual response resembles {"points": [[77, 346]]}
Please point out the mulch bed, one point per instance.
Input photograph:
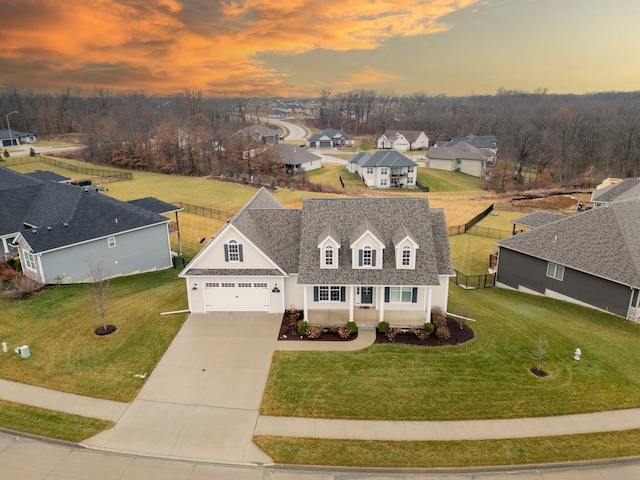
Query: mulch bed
{"points": [[102, 331], [460, 333]]}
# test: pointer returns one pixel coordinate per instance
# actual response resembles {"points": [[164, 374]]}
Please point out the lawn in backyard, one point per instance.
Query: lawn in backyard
{"points": [[58, 325], [446, 181], [487, 377]]}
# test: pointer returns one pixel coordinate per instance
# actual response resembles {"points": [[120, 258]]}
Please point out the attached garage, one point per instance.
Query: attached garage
{"points": [[325, 144], [238, 296]]}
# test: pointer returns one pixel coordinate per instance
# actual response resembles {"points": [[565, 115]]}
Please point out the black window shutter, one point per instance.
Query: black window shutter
{"points": [[343, 294], [414, 295], [226, 252], [316, 294], [373, 258], [359, 258], [387, 294], [240, 252]]}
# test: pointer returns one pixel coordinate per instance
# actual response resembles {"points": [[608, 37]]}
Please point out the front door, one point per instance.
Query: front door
{"points": [[366, 295]]}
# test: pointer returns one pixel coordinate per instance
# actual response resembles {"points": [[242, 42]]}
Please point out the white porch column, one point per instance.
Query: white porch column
{"points": [[447, 281], [380, 295], [428, 301], [306, 307], [352, 301]]}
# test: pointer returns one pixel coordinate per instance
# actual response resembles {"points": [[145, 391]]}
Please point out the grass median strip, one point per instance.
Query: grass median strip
{"points": [[431, 454], [47, 423]]}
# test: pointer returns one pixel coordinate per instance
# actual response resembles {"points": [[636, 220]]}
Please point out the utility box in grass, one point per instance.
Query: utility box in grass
{"points": [[23, 351]]}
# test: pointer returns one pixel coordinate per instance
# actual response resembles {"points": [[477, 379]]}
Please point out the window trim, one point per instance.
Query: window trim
{"points": [[401, 292], [30, 260], [328, 256], [406, 256], [233, 256], [329, 294], [555, 271]]}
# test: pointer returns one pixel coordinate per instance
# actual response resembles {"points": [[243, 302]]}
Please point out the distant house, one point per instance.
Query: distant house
{"points": [[591, 258], [459, 157], [297, 159], [404, 140], [329, 138], [384, 169], [359, 259], [622, 190], [261, 134], [16, 138], [59, 230]]}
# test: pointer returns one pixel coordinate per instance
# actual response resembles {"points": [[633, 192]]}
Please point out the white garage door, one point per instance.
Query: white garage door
{"points": [[236, 297]]}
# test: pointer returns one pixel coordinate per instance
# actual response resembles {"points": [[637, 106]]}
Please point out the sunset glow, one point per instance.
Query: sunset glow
{"points": [[298, 47]]}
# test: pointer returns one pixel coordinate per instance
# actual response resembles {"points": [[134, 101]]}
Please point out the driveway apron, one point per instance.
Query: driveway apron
{"points": [[202, 400]]}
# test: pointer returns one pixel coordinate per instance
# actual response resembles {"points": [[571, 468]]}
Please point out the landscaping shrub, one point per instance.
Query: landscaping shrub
{"points": [[439, 320], [21, 286], [302, 327], [352, 327], [383, 327], [344, 332], [420, 333], [393, 333], [429, 328], [314, 332]]}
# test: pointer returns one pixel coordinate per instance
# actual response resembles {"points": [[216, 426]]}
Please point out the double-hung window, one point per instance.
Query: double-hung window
{"points": [[329, 293], [401, 294], [29, 260], [328, 256], [233, 251], [406, 256], [366, 256]]}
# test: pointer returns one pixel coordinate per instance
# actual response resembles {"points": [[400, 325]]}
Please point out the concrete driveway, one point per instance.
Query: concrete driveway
{"points": [[201, 402]]}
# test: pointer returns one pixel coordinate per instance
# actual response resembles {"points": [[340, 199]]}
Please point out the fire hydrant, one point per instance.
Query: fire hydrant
{"points": [[577, 354]]}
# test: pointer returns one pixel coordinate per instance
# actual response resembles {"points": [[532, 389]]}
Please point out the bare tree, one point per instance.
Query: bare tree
{"points": [[99, 291]]}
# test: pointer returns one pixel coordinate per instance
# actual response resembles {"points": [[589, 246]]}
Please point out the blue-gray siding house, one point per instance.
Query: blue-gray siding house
{"points": [[592, 258], [60, 231]]}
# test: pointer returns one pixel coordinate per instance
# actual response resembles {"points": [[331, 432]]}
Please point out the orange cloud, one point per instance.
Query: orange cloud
{"points": [[162, 46]]}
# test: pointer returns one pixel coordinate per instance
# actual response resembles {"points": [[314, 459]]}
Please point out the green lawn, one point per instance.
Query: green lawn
{"points": [[444, 181], [330, 175], [486, 378], [399, 454], [470, 253], [58, 326], [47, 423]]}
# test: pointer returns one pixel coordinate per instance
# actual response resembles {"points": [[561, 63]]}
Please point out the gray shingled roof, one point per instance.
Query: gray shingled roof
{"points": [[47, 176], [537, 219], [624, 190], [261, 129], [331, 133], [294, 155], [222, 272], [460, 150], [154, 205], [604, 242], [387, 158], [272, 228], [10, 179], [410, 135], [478, 141], [387, 214]]}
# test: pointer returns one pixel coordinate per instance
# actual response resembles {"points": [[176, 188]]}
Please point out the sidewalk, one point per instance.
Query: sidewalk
{"points": [[61, 402]]}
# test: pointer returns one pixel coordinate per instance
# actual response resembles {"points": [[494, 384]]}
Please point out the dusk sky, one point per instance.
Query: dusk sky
{"points": [[295, 48]]}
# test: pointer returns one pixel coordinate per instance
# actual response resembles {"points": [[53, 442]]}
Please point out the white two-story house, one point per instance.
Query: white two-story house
{"points": [[384, 169], [386, 257], [404, 140]]}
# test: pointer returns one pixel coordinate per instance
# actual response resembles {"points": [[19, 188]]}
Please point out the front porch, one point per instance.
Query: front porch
{"points": [[366, 317]]}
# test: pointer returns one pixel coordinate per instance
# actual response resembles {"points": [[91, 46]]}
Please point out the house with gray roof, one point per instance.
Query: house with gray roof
{"points": [[404, 140], [14, 137], [60, 230], [261, 134], [591, 258], [535, 219], [623, 190], [386, 169], [329, 138], [459, 157], [296, 159], [383, 259]]}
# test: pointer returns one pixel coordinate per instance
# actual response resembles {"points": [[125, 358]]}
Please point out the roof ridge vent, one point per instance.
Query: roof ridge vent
{"points": [[65, 224], [49, 228]]}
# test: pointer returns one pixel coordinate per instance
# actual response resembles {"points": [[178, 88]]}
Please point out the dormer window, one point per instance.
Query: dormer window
{"points": [[328, 256], [406, 256], [367, 257], [233, 251]]}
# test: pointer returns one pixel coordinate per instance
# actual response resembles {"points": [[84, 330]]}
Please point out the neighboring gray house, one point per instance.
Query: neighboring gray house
{"points": [[404, 140], [297, 159], [459, 157], [384, 169], [348, 258], [16, 138], [330, 138], [592, 258], [623, 190], [535, 219], [261, 134], [60, 230]]}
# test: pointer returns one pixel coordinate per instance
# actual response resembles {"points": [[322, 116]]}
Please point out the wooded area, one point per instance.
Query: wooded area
{"points": [[543, 139]]}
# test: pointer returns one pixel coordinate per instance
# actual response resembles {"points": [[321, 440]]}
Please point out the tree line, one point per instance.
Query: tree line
{"points": [[542, 138]]}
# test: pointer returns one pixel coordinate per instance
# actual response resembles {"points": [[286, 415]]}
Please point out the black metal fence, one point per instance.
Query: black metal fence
{"points": [[475, 281], [422, 188], [105, 176], [204, 211], [460, 229], [489, 232]]}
